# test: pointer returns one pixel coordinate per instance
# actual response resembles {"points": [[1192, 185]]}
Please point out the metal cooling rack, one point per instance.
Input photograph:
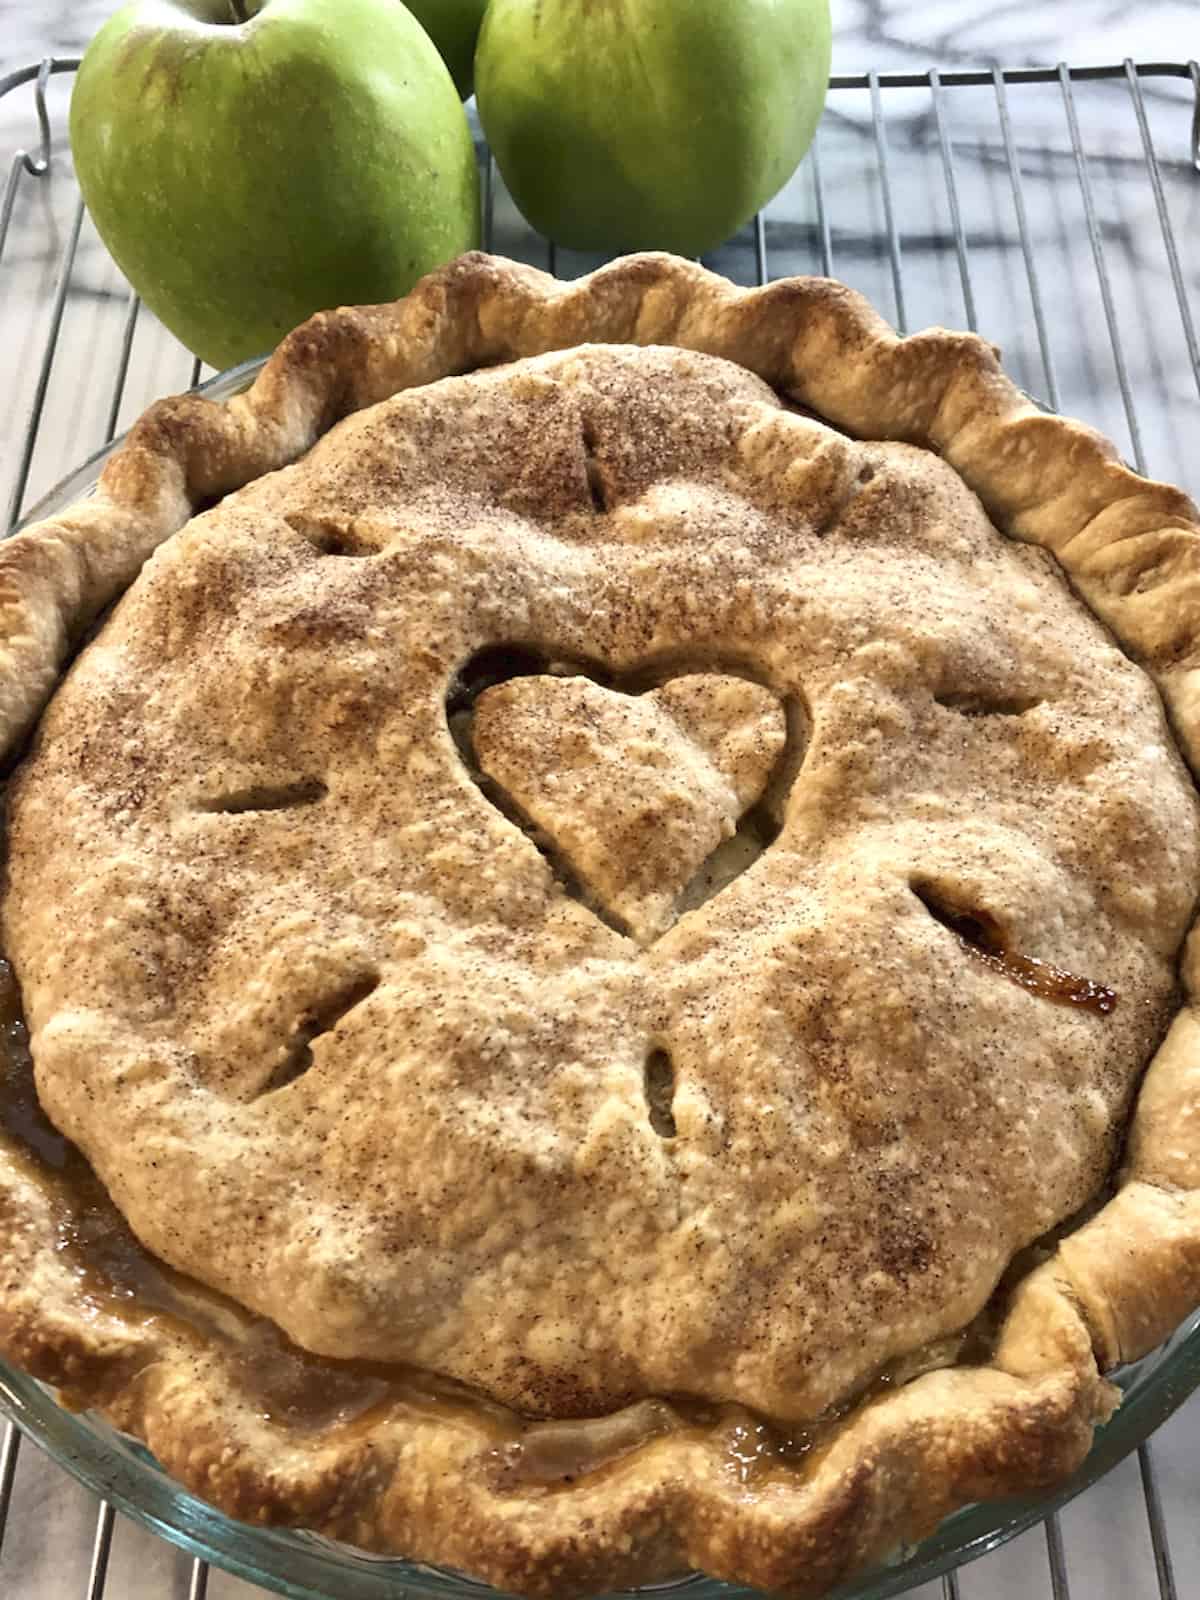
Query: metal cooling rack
{"points": [[1041, 205]]}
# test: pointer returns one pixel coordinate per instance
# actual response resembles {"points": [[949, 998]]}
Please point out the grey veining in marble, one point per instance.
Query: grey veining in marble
{"points": [[47, 1550]]}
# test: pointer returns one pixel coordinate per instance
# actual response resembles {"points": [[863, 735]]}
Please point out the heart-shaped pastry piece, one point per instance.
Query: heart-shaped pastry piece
{"points": [[638, 797]]}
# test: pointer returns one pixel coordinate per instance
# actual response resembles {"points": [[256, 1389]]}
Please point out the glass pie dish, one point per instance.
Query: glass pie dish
{"points": [[302, 1564], [309, 1567]]}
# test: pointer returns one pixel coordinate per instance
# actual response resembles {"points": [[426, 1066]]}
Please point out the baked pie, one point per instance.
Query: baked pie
{"points": [[592, 922]]}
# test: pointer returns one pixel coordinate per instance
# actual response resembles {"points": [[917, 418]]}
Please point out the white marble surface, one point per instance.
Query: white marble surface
{"points": [[47, 1548]]}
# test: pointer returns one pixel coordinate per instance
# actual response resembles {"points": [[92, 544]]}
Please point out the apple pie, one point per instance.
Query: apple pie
{"points": [[597, 889]]}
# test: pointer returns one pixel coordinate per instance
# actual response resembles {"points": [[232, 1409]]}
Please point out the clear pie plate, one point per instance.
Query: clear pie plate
{"points": [[309, 1567]]}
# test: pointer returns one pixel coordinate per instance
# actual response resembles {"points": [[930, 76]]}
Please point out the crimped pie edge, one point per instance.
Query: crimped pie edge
{"points": [[1116, 1287]]}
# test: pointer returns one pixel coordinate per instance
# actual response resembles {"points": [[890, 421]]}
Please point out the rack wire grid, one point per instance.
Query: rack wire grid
{"points": [[1042, 206]]}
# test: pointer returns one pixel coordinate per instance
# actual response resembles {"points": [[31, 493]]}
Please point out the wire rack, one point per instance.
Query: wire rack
{"points": [[1043, 206]]}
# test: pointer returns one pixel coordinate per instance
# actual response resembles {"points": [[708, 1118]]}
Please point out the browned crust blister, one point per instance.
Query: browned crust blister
{"points": [[1116, 1287]]}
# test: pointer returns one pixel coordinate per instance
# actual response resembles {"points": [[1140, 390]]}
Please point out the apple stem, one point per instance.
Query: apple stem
{"points": [[238, 7]]}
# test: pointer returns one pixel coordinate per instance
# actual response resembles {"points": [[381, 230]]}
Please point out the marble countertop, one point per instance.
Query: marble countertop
{"points": [[843, 225], [869, 33]]}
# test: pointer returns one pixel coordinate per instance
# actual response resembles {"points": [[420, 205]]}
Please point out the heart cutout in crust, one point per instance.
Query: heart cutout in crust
{"points": [[647, 803]]}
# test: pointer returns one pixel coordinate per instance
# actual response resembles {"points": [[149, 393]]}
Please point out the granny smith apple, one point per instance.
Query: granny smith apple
{"points": [[245, 174], [643, 124], [453, 25]]}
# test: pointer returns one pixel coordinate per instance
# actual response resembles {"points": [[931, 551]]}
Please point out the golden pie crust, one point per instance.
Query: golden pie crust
{"points": [[641, 1204]]}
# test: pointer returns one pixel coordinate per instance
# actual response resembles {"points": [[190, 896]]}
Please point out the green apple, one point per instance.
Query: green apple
{"points": [[453, 25], [245, 174], [649, 124]]}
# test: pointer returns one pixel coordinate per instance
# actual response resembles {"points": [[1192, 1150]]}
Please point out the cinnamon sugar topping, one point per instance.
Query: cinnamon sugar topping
{"points": [[387, 877]]}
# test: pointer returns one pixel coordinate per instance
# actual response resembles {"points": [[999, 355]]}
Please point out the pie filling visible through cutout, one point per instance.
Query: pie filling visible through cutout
{"points": [[592, 774], [590, 943]]}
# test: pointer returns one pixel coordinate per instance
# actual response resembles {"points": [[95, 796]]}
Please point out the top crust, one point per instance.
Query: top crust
{"points": [[1026, 695], [246, 804]]}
